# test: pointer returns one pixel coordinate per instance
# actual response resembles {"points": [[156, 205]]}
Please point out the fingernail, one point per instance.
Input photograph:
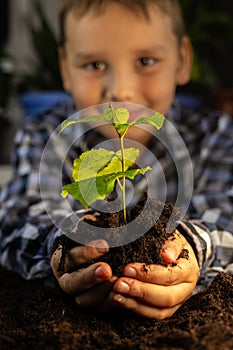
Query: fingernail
{"points": [[118, 299], [168, 255], [130, 272], [122, 287], [100, 273], [101, 246], [113, 279]]}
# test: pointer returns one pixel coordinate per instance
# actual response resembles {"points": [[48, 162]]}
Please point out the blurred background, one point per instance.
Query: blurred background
{"points": [[29, 69]]}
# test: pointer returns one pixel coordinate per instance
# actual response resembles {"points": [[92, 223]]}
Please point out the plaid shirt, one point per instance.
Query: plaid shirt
{"points": [[27, 232]]}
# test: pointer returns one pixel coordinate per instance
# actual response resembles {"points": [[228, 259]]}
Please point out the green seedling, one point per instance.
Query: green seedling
{"points": [[96, 171]]}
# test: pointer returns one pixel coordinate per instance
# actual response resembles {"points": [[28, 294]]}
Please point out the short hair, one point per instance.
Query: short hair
{"points": [[171, 8]]}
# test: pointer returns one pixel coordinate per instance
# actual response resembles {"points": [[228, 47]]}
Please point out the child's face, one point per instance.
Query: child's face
{"points": [[120, 56]]}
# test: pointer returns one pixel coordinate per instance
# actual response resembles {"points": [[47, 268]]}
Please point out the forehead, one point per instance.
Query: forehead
{"points": [[116, 23]]}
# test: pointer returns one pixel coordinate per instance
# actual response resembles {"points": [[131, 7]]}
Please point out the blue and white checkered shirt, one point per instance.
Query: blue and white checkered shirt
{"points": [[27, 232]]}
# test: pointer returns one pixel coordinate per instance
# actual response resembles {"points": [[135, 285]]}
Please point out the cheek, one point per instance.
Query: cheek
{"points": [[85, 94], [159, 93]]}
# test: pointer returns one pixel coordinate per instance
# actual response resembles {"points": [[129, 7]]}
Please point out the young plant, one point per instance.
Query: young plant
{"points": [[96, 171]]}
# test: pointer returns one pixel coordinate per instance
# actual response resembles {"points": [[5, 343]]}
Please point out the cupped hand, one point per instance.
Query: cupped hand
{"points": [[91, 285], [157, 291]]}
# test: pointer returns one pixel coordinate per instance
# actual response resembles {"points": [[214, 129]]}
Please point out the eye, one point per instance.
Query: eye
{"points": [[146, 61], [98, 65]]}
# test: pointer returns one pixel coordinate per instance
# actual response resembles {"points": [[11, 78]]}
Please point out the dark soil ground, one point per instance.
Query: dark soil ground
{"points": [[34, 316]]}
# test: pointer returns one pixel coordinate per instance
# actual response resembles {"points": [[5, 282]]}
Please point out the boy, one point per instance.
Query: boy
{"points": [[137, 52]]}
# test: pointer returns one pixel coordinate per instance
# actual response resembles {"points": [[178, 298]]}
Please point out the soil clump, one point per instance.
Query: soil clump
{"points": [[159, 218]]}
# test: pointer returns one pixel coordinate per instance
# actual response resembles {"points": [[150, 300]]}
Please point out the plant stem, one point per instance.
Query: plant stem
{"points": [[122, 186], [123, 178]]}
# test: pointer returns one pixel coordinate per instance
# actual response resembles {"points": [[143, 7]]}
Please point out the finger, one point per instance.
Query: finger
{"points": [[172, 248], [78, 255], [153, 294], [79, 281], [83, 254], [186, 270], [97, 296], [141, 309]]}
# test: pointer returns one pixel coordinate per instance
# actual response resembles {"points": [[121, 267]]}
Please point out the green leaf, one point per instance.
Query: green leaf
{"points": [[105, 116], [115, 164], [156, 120], [121, 116], [90, 163], [100, 161], [93, 188], [130, 155], [66, 123], [130, 174], [121, 128]]}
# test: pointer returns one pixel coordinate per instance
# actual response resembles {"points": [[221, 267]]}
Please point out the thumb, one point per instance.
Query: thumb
{"points": [[172, 249]]}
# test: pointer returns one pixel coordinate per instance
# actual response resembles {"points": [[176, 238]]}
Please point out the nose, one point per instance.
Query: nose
{"points": [[120, 86]]}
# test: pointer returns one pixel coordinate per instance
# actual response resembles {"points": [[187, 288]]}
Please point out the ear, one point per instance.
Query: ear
{"points": [[64, 70], [186, 61]]}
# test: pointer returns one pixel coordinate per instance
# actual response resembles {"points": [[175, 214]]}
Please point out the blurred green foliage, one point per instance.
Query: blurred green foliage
{"points": [[210, 27], [45, 74]]}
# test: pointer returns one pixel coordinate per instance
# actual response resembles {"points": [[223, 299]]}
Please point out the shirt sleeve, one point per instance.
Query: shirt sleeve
{"points": [[209, 225], [27, 232]]}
